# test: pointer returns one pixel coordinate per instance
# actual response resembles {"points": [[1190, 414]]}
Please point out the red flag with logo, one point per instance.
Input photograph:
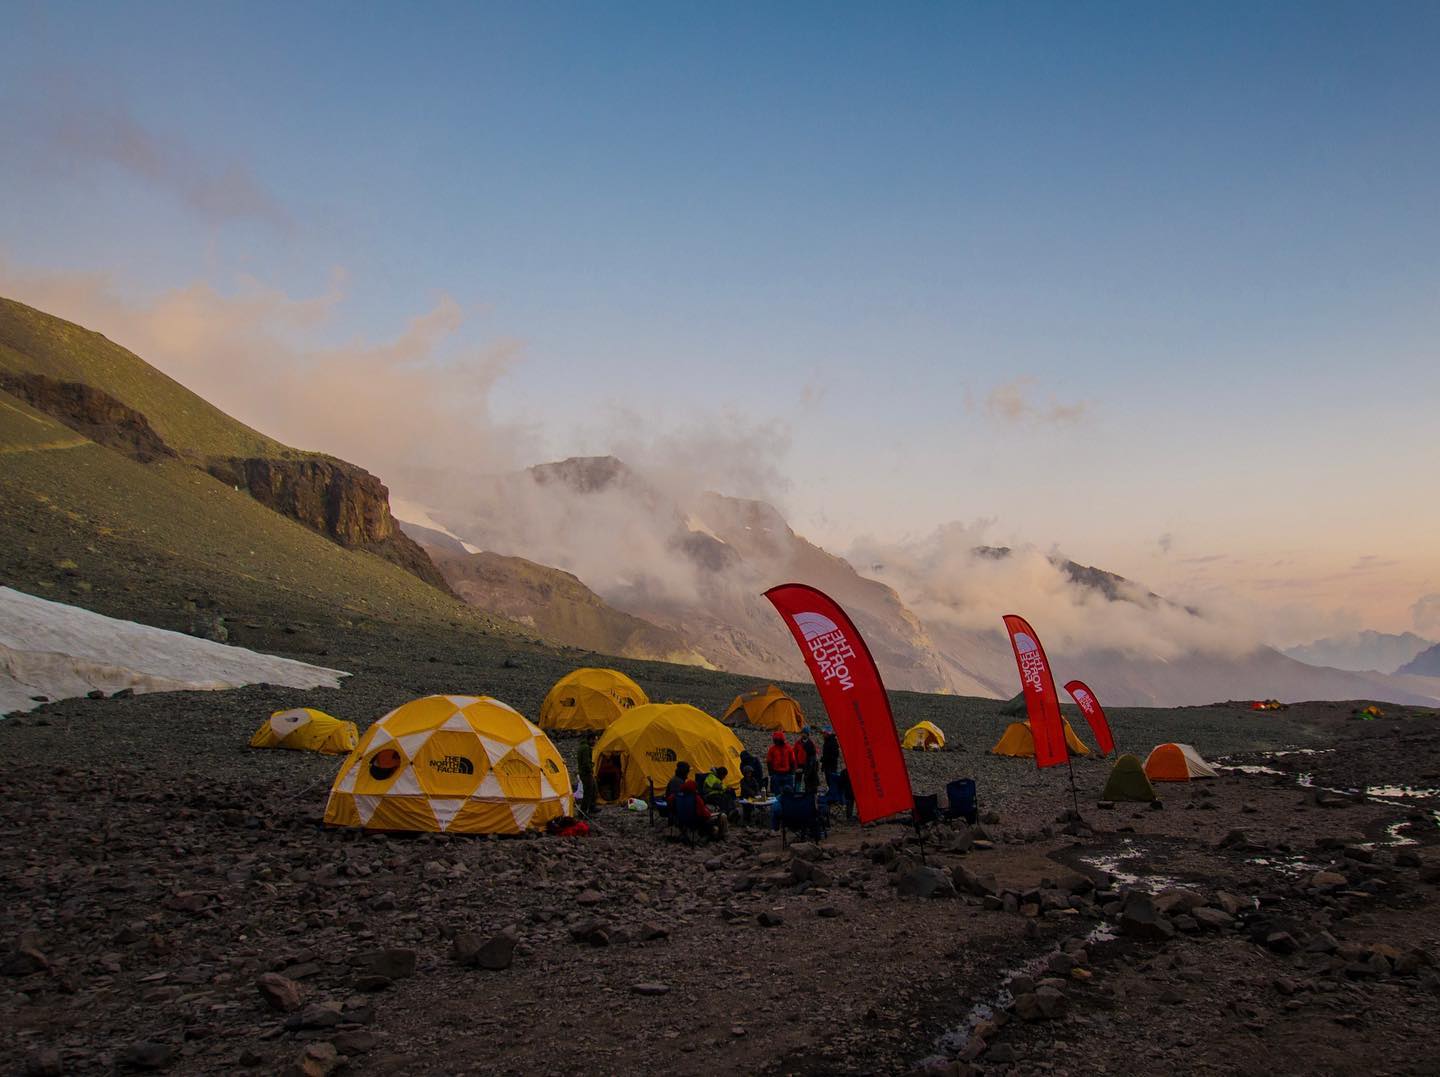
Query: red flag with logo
{"points": [[1041, 701], [1094, 714], [854, 697]]}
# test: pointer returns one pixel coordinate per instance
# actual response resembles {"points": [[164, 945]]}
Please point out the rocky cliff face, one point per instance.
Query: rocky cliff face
{"points": [[341, 501], [89, 411]]}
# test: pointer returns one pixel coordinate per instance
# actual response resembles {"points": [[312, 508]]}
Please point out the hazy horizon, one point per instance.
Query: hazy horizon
{"points": [[1154, 288]]}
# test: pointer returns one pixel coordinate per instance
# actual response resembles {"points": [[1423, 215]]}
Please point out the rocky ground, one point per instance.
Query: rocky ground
{"points": [[169, 902]]}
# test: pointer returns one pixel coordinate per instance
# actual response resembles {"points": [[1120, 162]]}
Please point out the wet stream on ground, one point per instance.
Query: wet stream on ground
{"points": [[1126, 867]]}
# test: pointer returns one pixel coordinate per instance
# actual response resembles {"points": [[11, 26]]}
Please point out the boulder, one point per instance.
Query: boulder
{"points": [[1139, 918], [924, 882], [279, 992]]}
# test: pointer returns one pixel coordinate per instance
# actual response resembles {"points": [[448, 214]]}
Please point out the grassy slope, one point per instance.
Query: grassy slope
{"points": [[88, 525], [34, 342]]}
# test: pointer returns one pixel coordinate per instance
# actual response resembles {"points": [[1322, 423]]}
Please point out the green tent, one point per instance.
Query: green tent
{"points": [[1015, 708], [1128, 781]]}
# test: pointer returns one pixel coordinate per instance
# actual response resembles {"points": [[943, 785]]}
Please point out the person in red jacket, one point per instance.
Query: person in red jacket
{"points": [[780, 760]]}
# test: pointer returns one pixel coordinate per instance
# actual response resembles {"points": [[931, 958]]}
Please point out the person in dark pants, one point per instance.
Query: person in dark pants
{"points": [[830, 758], [585, 764], [811, 767], [781, 762]]}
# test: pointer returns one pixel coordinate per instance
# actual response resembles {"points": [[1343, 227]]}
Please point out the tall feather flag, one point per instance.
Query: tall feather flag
{"points": [[854, 697], [1094, 714], [1041, 701]]}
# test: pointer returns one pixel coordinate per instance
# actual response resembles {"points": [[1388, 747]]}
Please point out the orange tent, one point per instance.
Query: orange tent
{"points": [[1176, 763]]}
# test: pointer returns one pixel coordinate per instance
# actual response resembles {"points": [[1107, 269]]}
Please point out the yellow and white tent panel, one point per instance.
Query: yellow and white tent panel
{"points": [[457, 764], [589, 699], [646, 744], [767, 708], [923, 737], [306, 730]]}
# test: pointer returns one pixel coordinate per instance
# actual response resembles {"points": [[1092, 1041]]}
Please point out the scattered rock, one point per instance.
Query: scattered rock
{"points": [[650, 988], [1141, 919], [925, 882], [319, 1059], [279, 992], [393, 963]]}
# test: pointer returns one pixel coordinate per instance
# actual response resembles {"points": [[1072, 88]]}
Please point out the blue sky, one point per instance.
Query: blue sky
{"points": [[1101, 272]]}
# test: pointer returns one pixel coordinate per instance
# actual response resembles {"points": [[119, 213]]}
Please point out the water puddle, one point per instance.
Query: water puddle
{"points": [[1400, 792], [952, 1043]]}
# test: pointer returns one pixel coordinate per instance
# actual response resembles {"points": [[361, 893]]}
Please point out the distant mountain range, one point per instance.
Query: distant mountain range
{"points": [[1367, 650], [129, 494], [1425, 664], [705, 563]]}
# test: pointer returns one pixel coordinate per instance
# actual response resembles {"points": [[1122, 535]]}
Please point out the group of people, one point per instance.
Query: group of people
{"points": [[705, 801], [792, 767]]}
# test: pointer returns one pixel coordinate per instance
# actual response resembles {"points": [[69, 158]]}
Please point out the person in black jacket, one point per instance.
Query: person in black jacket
{"points": [[830, 758], [811, 765]]}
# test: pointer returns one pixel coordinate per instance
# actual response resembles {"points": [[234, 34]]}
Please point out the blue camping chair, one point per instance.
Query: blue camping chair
{"points": [[961, 801], [684, 816], [801, 814]]}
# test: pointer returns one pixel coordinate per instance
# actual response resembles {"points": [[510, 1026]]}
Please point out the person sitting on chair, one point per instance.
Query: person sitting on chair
{"points": [[677, 782], [749, 782], [709, 823], [715, 783]]}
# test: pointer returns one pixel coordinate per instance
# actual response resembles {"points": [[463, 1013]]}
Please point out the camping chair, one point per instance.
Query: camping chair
{"points": [[927, 810], [961, 801], [685, 818], [801, 813], [658, 807]]}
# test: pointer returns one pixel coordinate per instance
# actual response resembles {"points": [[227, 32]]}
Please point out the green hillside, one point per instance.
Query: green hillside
{"points": [[33, 342], [84, 524]]}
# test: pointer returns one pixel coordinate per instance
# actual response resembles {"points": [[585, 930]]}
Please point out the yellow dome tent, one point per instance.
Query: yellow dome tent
{"points": [[589, 699], [307, 730], [648, 741], [767, 708], [923, 737], [1018, 740], [458, 764]]}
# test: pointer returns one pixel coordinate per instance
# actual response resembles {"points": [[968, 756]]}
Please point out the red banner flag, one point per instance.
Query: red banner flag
{"points": [[854, 697], [1041, 701], [1094, 714]]}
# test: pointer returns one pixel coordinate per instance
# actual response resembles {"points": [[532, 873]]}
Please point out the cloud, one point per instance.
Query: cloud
{"points": [[1370, 562], [71, 136], [946, 582], [1426, 612], [1011, 402], [412, 407]]}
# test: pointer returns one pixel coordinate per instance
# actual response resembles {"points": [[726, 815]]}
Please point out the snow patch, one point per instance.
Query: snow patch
{"points": [[57, 651]]}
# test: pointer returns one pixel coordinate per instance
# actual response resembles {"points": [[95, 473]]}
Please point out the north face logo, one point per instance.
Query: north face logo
{"points": [[662, 755], [453, 764]]}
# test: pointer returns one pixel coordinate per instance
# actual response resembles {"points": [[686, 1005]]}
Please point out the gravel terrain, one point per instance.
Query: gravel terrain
{"points": [[169, 902]]}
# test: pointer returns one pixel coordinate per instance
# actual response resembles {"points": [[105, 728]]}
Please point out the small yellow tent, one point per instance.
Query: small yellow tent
{"points": [[767, 708], [458, 764], [1018, 740], [923, 737], [306, 730], [589, 699], [648, 741]]}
